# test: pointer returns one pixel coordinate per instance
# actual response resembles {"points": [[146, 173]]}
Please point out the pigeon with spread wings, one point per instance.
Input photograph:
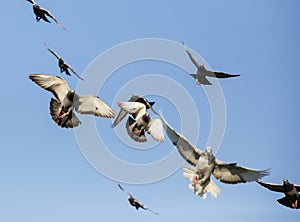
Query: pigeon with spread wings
{"points": [[290, 191], [41, 13], [206, 164], [66, 100], [134, 98], [202, 72], [142, 123], [134, 202], [64, 67]]}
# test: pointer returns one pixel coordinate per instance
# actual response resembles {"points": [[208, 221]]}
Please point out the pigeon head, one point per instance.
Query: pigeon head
{"points": [[208, 149], [286, 181], [72, 96], [209, 154]]}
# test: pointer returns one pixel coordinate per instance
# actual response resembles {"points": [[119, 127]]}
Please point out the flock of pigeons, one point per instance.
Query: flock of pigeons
{"points": [[139, 123]]}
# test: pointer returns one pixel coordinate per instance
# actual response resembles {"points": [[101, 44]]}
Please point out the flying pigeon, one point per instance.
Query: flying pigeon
{"points": [[202, 72], [134, 202], [64, 67], [41, 13], [66, 100], [142, 122], [134, 98], [206, 164], [290, 191]]}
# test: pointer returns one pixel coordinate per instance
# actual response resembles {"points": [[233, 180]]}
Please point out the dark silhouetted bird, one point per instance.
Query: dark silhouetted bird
{"points": [[41, 13], [134, 202], [64, 67], [290, 191], [61, 108], [202, 72], [206, 164]]}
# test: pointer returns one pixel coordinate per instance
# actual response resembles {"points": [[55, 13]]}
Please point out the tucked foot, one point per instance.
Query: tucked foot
{"points": [[58, 111], [196, 180], [137, 132], [295, 205], [63, 115]]}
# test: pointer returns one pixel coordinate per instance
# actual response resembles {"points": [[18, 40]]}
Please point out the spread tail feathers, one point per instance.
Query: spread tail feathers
{"points": [[200, 189], [69, 121], [138, 138]]}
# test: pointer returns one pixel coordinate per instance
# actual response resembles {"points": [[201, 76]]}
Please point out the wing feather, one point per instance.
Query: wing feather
{"points": [[271, 186], [156, 129], [232, 173], [90, 104], [46, 12], [55, 84], [187, 150], [132, 107], [194, 61]]}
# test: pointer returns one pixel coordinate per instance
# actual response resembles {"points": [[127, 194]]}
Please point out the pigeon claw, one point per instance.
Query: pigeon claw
{"points": [[295, 205], [137, 132], [196, 180], [63, 115], [59, 111]]}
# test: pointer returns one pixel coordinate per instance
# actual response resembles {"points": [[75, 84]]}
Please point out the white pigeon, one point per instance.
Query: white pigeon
{"points": [[61, 108], [142, 122], [206, 164]]}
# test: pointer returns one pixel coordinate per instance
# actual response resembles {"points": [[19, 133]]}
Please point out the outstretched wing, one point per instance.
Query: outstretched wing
{"points": [[121, 188], [147, 208], [53, 52], [46, 12], [232, 173], [76, 74], [191, 56], [187, 150], [220, 75], [132, 107], [156, 129], [31, 1], [90, 104], [271, 186], [149, 105], [55, 84]]}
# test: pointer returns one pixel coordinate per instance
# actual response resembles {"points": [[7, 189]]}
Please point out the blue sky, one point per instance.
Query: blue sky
{"points": [[44, 174]]}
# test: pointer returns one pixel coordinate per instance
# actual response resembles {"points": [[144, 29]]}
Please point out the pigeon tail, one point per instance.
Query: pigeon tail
{"points": [[141, 137], [200, 189], [68, 121]]}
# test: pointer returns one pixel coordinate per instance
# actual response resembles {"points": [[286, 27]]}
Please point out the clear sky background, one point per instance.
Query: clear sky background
{"points": [[45, 177]]}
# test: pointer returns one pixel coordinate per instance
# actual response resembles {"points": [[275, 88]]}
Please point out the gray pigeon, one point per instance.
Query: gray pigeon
{"points": [[41, 13], [290, 191], [206, 164], [61, 108], [202, 72], [64, 67], [142, 122], [134, 98], [134, 202]]}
